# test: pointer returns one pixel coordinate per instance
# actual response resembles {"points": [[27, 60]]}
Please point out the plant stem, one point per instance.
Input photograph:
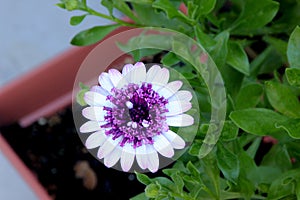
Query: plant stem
{"points": [[119, 21]]}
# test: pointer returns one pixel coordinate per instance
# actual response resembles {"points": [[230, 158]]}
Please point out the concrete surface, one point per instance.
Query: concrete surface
{"points": [[31, 32]]}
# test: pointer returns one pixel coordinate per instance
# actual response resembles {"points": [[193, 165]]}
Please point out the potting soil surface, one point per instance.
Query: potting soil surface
{"points": [[53, 151]]}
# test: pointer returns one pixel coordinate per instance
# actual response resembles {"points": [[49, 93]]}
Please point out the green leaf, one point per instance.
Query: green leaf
{"points": [[188, 71], [229, 131], [211, 175], [141, 196], [200, 8], [293, 76], [61, 5], [228, 163], [206, 6], [71, 4], [75, 20], [164, 182], [152, 190], [193, 170], [157, 42], [237, 58], [192, 185], [266, 62], [258, 121], [170, 59], [255, 14], [279, 45], [176, 178], [293, 51], [291, 126], [109, 5], [288, 19], [204, 39], [220, 49], [284, 185], [158, 19], [283, 99], [248, 167], [277, 157], [123, 7], [92, 35], [141, 53], [82, 86], [249, 96], [170, 10], [143, 178], [266, 174], [195, 148], [80, 95], [254, 147]]}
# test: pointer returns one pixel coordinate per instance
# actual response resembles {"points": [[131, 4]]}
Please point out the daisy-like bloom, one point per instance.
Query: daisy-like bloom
{"points": [[130, 114]]}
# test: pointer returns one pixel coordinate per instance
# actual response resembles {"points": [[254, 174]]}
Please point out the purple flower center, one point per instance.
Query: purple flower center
{"points": [[140, 109], [137, 114]]}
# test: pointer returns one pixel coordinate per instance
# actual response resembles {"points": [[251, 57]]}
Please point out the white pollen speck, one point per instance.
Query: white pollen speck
{"points": [[129, 105], [134, 125], [145, 124], [129, 123]]}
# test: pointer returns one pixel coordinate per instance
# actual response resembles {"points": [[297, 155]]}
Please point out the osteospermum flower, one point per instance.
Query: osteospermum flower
{"points": [[130, 114]]}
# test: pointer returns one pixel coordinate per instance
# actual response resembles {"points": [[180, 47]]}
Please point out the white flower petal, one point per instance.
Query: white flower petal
{"points": [[100, 90], [95, 139], [141, 156], [176, 141], [94, 113], [152, 73], [157, 77], [170, 89], [90, 126], [180, 120], [177, 107], [112, 158], [162, 77], [105, 81], [127, 157], [153, 161], [117, 78], [182, 95], [127, 68], [163, 146], [95, 99], [107, 147], [139, 64], [138, 74]]}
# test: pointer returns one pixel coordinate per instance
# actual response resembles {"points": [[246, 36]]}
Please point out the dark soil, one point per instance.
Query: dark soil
{"points": [[51, 148]]}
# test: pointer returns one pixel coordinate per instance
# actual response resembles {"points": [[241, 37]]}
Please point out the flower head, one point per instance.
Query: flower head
{"points": [[130, 114]]}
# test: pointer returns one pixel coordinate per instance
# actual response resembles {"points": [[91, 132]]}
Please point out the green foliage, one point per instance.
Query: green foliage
{"points": [[259, 121], [249, 96], [80, 94], [256, 47], [283, 99], [92, 35], [75, 20], [293, 76], [293, 51]]}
